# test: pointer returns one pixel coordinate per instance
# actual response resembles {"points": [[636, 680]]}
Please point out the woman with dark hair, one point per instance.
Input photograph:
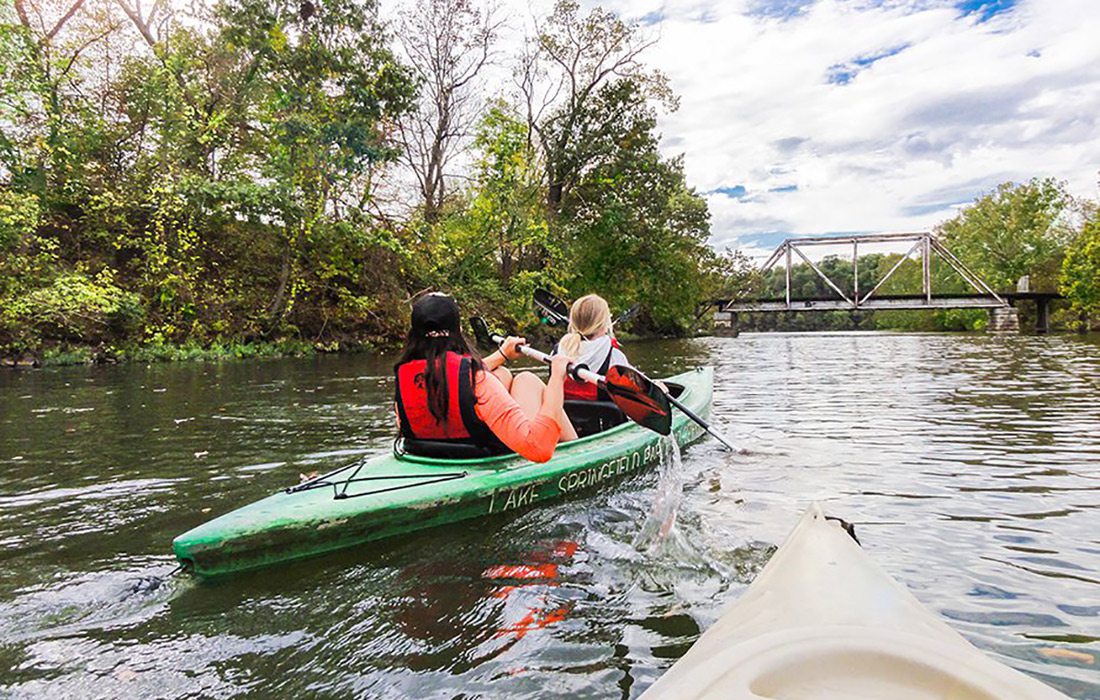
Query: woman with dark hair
{"points": [[445, 393]]}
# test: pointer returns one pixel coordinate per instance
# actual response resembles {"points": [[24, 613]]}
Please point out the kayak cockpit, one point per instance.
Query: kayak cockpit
{"points": [[589, 418], [594, 417]]}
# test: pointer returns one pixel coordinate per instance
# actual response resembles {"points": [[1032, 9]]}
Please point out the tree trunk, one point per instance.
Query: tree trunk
{"points": [[278, 302], [554, 195]]}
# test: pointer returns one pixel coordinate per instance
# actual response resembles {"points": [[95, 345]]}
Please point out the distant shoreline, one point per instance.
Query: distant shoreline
{"points": [[77, 355]]}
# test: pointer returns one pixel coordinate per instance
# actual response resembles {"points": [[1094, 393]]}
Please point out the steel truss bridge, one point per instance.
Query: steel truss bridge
{"points": [[924, 245]]}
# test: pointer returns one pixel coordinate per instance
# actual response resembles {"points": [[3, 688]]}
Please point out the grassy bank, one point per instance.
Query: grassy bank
{"points": [[63, 355]]}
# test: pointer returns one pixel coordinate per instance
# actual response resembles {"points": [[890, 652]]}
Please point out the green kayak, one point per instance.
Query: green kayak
{"points": [[392, 494]]}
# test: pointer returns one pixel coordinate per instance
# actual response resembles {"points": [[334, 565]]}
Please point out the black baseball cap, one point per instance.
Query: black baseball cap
{"points": [[435, 313]]}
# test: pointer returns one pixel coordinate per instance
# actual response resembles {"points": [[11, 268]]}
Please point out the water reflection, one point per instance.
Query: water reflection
{"points": [[969, 463]]}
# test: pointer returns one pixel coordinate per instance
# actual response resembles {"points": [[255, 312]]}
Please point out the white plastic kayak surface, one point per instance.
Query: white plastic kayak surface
{"points": [[823, 622]]}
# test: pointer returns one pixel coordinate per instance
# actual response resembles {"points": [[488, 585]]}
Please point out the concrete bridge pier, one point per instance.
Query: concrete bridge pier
{"points": [[1042, 315], [725, 323], [1004, 319]]}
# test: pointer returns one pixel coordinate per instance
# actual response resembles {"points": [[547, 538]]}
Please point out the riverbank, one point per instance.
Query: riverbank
{"points": [[62, 356], [75, 355]]}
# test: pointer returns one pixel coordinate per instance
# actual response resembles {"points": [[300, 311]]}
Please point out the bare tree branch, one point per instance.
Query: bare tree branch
{"points": [[448, 43], [583, 55], [61, 22]]}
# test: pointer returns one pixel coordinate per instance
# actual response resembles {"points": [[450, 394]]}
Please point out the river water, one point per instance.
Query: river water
{"points": [[970, 463]]}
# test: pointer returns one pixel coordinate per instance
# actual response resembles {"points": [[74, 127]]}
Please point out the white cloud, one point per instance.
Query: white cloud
{"points": [[937, 108]]}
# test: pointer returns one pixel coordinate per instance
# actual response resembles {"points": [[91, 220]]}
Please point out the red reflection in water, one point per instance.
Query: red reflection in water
{"points": [[542, 571]]}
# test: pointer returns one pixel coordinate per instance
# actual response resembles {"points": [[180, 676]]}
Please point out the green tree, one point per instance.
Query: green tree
{"points": [[567, 68], [1016, 230], [1080, 276], [634, 231], [496, 248], [327, 82]]}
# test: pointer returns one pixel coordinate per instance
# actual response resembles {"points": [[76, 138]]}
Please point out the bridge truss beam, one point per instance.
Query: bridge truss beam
{"points": [[923, 243]]}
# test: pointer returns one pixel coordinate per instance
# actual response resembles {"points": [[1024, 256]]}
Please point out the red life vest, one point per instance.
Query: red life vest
{"points": [[584, 391], [462, 423]]}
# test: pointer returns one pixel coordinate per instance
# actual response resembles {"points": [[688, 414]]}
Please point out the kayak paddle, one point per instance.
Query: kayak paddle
{"points": [[552, 310], [643, 401], [555, 312], [649, 387], [627, 315]]}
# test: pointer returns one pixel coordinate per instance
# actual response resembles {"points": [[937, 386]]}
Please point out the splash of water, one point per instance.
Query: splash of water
{"points": [[661, 520]]}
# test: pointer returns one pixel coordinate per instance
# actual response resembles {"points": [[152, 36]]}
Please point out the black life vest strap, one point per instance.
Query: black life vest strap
{"points": [[467, 405], [402, 417], [606, 362], [601, 393]]}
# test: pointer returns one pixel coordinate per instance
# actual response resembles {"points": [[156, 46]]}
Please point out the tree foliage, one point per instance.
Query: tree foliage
{"points": [[1080, 274], [1016, 230], [633, 228], [214, 167], [222, 172], [563, 77]]}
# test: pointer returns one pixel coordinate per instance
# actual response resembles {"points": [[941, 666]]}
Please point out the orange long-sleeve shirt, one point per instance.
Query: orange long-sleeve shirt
{"points": [[533, 438]]}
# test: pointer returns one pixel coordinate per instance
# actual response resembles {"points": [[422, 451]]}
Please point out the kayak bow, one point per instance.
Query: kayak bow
{"points": [[823, 622], [393, 494]]}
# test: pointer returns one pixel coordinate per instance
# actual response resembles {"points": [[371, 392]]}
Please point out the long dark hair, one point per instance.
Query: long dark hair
{"points": [[434, 331]]}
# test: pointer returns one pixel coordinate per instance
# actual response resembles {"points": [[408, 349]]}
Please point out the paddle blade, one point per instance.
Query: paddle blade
{"points": [[640, 399], [628, 315], [481, 334], [552, 310]]}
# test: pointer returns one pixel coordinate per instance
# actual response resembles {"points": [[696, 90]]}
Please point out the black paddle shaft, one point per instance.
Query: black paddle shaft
{"points": [[702, 423]]}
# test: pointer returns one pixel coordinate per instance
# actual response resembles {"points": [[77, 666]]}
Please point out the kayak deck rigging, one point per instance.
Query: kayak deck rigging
{"points": [[340, 486]]}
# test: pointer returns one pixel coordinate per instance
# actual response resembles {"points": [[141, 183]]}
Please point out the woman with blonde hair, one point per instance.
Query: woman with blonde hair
{"points": [[590, 342]]}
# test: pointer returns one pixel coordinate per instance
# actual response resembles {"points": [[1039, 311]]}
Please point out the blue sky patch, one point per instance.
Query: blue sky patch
{"points": [[785, 188], [655, 17], [838, 75], [842, 73], [779, 9], [734, 192], [763, 239], [984, 10], [772, 239]]}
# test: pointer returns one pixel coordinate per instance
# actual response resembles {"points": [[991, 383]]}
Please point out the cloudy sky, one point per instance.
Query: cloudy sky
{"points": [[816, 116], [829, 116]]}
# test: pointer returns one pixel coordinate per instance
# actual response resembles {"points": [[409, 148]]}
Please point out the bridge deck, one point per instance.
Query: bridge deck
{"points": [[884, 302]]}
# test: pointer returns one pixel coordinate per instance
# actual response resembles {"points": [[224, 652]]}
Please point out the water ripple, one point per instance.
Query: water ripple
{"points": [[970, 465]]}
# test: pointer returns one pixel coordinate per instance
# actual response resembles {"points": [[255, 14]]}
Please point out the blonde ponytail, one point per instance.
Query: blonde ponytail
{"points": [[588, 317], [570, 344]]}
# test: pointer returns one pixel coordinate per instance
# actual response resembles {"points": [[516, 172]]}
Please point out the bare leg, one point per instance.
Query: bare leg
{"points": [[527, 390], [504, 376], [568, 432]]}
